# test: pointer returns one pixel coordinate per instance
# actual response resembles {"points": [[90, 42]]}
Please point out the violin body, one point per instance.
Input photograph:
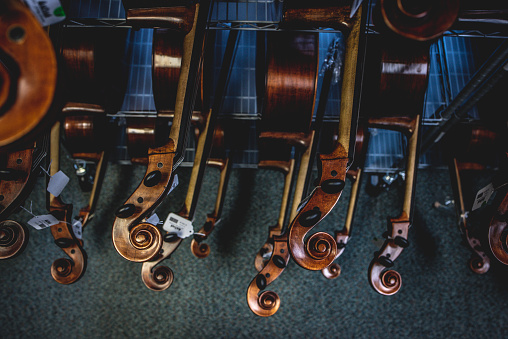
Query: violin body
{"points": [[27, 57]]}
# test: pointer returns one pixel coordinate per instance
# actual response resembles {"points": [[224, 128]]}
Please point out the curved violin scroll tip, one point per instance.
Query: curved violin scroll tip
{"points": [[158, 278], [264, 304], [66, 271], [331, 272], [13, 239], [200, 250], [479, 265], [386, 282], [143, 243]]}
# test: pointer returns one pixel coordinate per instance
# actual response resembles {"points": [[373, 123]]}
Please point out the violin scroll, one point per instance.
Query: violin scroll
{"points": [[266, 303], [158, 278], [320, 249], [498, 232], [13, 238], [67, 271], [389, 282]]}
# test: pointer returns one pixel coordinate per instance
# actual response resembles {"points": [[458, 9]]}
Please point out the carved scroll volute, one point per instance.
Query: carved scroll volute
{"points": [[498, 232], [266, 303], [66, 271], [28, 74], [14, 186], [13, 238], [419, 20], [320, 249]]}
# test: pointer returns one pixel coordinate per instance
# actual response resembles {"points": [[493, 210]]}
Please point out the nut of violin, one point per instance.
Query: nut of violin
{"points": [[153, 178], [310, 218], [401, 241], [333, 186], [125, 211], [170, 237], [261, 281], [64, 242]]}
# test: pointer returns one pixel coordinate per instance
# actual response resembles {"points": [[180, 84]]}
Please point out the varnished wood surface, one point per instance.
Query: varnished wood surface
{"points": [[318, 13], [29, 59], [175, 15], [418, 20]]}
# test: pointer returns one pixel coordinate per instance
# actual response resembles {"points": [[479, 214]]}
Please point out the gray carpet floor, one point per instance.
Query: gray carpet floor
{"points": [[440, 297]]}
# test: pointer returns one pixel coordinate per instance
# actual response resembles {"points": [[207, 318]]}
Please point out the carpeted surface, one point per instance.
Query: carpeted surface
{"points": [[440, 296]]}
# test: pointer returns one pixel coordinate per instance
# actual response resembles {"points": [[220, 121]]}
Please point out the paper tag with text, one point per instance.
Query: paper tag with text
{"points": [[180, 226], [57, 183], [77, 228], [483, 196], [40, 222], [154, 219], [48, 12]]}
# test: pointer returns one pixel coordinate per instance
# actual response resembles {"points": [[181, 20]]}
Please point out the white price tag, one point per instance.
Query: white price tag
{"points": [[40, 222], [48, 12], [180, 226], [154, 219], [174, 183], [77, 228], [483, 196], [57, 183]]}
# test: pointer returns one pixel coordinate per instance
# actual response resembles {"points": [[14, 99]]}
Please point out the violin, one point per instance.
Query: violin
{"points": [[319, 250], [27, 57], [177, 52], [17, 178], [64, 271], [353, 173], [219, 159], [399, 80], [95, 85], [159, 278], [472, 148]]}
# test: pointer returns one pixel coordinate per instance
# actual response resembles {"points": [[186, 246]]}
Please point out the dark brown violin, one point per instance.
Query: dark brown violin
{"points": [[28, 76], [159, 278], [177, 51], [286, 117], [398, 81], [472, 149], [319, 250]]}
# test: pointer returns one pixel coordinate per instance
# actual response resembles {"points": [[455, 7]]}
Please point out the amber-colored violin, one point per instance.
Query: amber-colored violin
{"points": [[28, 76], [354, 174], [319, 250], [93, 87], [177, 52], [159, 278]]}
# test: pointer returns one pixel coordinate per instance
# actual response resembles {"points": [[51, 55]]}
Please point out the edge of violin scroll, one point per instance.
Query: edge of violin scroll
{"points": [[13, 238], [266, 303], [67, 271]]}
